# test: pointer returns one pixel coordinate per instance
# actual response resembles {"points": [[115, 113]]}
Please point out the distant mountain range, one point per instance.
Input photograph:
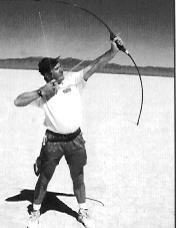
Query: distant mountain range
{"points": [[31, 63]]}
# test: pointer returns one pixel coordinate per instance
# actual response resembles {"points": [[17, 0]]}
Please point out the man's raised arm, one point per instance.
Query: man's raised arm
{"points": [[101, 60]]}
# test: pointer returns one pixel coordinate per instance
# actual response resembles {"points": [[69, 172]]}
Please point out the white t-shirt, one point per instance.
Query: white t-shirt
{"points": [[63, 112]]}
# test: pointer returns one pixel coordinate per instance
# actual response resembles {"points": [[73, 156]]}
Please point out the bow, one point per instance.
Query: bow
{"points": [[112, 37]]}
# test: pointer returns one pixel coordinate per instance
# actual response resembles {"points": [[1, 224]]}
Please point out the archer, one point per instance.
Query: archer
{"points": [[60, 100]]}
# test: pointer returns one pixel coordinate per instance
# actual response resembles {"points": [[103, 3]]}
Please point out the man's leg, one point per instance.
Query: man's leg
{"points": [[42, 183], [77, 176], [50, 155], [76, 158], [40, 191]]}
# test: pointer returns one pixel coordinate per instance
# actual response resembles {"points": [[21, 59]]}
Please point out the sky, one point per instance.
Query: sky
{"points": [[50, 28]]}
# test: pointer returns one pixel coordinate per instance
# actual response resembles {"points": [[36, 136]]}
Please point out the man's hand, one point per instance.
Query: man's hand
{"points": [[117, 44], [49, 90]]}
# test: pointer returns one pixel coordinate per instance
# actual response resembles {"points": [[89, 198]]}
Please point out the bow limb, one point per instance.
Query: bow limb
{"points": [[142, 93]]}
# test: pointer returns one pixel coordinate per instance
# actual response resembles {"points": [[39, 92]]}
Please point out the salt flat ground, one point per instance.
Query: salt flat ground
{"points": [[130, 169]]}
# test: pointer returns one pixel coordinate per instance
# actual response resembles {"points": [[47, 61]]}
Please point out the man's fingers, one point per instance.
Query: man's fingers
{"points": [[53, 82], [118, 40]]}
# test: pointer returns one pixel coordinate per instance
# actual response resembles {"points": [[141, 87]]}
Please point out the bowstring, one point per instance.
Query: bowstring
{"points": [[44, 36], [43, 32], [47, 50]]}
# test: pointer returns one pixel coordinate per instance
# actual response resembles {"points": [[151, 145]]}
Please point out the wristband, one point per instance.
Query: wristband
{"points": [[40, 93]]}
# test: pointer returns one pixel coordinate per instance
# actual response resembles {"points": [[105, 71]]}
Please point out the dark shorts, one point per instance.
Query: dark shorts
{"points": [[55, 146]]}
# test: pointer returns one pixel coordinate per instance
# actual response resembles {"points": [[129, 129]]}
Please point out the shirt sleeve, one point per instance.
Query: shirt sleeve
{"points": [[79, 78]]}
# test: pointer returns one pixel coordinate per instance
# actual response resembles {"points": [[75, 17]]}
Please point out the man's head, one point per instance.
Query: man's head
{"points": [[51, 68]]}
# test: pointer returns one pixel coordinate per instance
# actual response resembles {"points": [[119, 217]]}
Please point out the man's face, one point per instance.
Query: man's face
{"points": [[57, 73]]}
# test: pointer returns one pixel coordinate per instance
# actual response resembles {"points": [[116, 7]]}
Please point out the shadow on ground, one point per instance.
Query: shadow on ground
{"points": [[51, 202]]}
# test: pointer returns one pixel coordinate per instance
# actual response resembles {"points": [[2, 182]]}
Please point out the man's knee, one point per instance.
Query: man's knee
{"points": [[47, 173]]}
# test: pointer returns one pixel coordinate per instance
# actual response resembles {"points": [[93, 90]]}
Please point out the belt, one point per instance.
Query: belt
{"points": [[56, 137]]}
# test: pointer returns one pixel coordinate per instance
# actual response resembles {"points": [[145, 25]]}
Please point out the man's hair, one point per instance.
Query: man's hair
{"points": [[46, 65]]}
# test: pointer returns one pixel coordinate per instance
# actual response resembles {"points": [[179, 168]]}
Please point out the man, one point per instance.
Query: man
{"points": [[60, 99]]}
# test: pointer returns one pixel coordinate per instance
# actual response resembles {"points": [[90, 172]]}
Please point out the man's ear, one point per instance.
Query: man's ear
{"points": [[48, 77]]}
